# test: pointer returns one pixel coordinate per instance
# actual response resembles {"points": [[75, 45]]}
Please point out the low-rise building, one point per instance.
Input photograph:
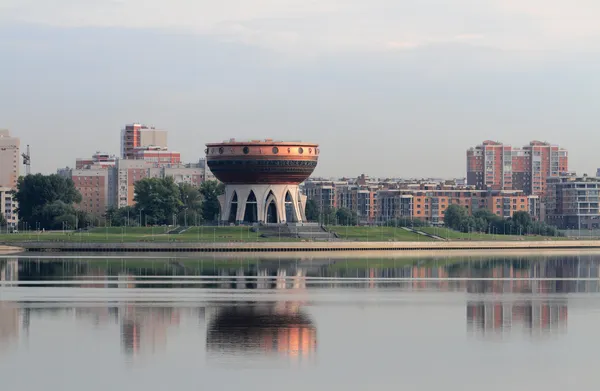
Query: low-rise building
{"points": [[103, 186], [8, 207], [100, 159], [430, 205], [93, 183], [573, 202]]}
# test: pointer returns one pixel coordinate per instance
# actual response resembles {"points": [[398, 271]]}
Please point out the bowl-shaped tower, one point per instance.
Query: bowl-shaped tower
{"points": [[261, 179]]}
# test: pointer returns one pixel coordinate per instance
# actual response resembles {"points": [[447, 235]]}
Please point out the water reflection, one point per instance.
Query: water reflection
{"points": [[279, 328], [503, 296], [144, 329], [10, 320], [257, 273], [534, 317]]}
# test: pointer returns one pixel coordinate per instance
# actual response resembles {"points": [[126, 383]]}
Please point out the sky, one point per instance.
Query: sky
{"points": [[389, 88]]}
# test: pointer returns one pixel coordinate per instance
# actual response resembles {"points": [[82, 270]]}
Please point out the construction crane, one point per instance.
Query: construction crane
{"points": [[27, 161]]}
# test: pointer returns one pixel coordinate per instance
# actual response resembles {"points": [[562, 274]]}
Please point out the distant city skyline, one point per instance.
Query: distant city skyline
{"points": [[378, 85]]}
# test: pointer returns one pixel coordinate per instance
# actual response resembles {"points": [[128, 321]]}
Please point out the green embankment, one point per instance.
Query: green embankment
{"points": [[450, 234], [377, 234], [245, 234], [144, 234]]}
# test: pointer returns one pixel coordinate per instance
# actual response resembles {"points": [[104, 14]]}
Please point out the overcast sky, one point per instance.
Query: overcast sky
{"points": [[387, 87]]}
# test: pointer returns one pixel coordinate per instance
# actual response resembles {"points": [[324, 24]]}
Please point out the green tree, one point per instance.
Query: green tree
{"points": [[191, 198], [521, 221], [191, 205], [329, 216], [2, 220], [455, 217], [36, 195], [312, 210], [345, 216], [158, 199], [125, 216], [210, 191]]}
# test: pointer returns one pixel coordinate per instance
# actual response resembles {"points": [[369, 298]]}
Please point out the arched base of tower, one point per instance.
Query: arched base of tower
{"points": [[263, 204]]}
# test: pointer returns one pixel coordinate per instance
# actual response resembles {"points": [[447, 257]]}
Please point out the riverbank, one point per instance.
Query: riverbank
{"points": [[278, 247], [6, 250]]}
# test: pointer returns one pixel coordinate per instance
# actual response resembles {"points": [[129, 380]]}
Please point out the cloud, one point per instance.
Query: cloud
{"points": [[308, 26]]}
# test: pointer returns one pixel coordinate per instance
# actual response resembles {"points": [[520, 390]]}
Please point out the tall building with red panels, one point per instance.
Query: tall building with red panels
{"points": [[546, 160], [495, 166], [135, 136], [489, 166]]}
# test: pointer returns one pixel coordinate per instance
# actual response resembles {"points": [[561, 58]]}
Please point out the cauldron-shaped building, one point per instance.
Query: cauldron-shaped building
{"points": [[262, 179]]}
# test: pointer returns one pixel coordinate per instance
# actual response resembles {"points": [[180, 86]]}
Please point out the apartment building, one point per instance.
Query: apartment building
{"points": [[8, 207], [137, 135], [93, 183], [360, 198], [573, 202], [495, 166], [10, 156], [431, 205], [323, 192], [101, 159], [157, 155]]}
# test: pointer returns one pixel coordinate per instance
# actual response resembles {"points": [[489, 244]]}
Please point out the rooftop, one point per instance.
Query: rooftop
{"points": [[267, 141]]}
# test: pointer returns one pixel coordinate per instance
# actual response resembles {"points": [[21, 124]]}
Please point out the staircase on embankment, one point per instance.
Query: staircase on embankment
{"points": [[308, 231]]}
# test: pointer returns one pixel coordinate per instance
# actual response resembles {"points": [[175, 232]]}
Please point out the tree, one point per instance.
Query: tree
{"points": [[210, 191], [2, 220], [158, 199], [312, 210], [346, 216], [455, 217], [191, 198], [191, 205], [521, 221], [125, 216], [37, 196]]}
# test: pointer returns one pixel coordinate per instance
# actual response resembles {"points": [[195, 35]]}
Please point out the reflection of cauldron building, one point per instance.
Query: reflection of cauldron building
{"points": [[262, 179], [279, 329]]}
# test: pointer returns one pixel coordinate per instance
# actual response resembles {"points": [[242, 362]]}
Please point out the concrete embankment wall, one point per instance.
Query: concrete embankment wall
{"points": [[9, 250], [310, 246]]}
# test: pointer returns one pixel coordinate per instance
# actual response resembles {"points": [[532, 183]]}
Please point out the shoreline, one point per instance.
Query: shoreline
{"points": [[297, 247]]}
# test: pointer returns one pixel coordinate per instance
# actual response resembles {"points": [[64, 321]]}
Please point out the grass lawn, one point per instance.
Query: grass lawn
{"points": [[245, 234], [377, 234], [456, 235], [144, 234]]}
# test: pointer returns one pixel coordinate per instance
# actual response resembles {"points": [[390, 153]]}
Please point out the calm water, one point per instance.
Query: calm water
{"points": [[494, 323]]}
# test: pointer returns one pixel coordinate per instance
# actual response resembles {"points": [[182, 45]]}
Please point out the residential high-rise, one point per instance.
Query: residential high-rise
{"points": [[9, 159], [139, 136], [495, 166], [547, 161]]}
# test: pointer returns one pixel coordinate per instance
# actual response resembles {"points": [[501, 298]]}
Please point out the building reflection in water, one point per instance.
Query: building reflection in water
{"points": [[144, 329], [534, 317], [10, 314], [280, 328]]}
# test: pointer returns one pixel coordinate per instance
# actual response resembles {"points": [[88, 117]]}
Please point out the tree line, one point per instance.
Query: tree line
{"points": [[457, 217], [329, 216], [160, 201], [51, 202]]}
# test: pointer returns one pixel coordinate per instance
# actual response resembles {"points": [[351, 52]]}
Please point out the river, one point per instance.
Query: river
{"points": [[152, 322]]}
